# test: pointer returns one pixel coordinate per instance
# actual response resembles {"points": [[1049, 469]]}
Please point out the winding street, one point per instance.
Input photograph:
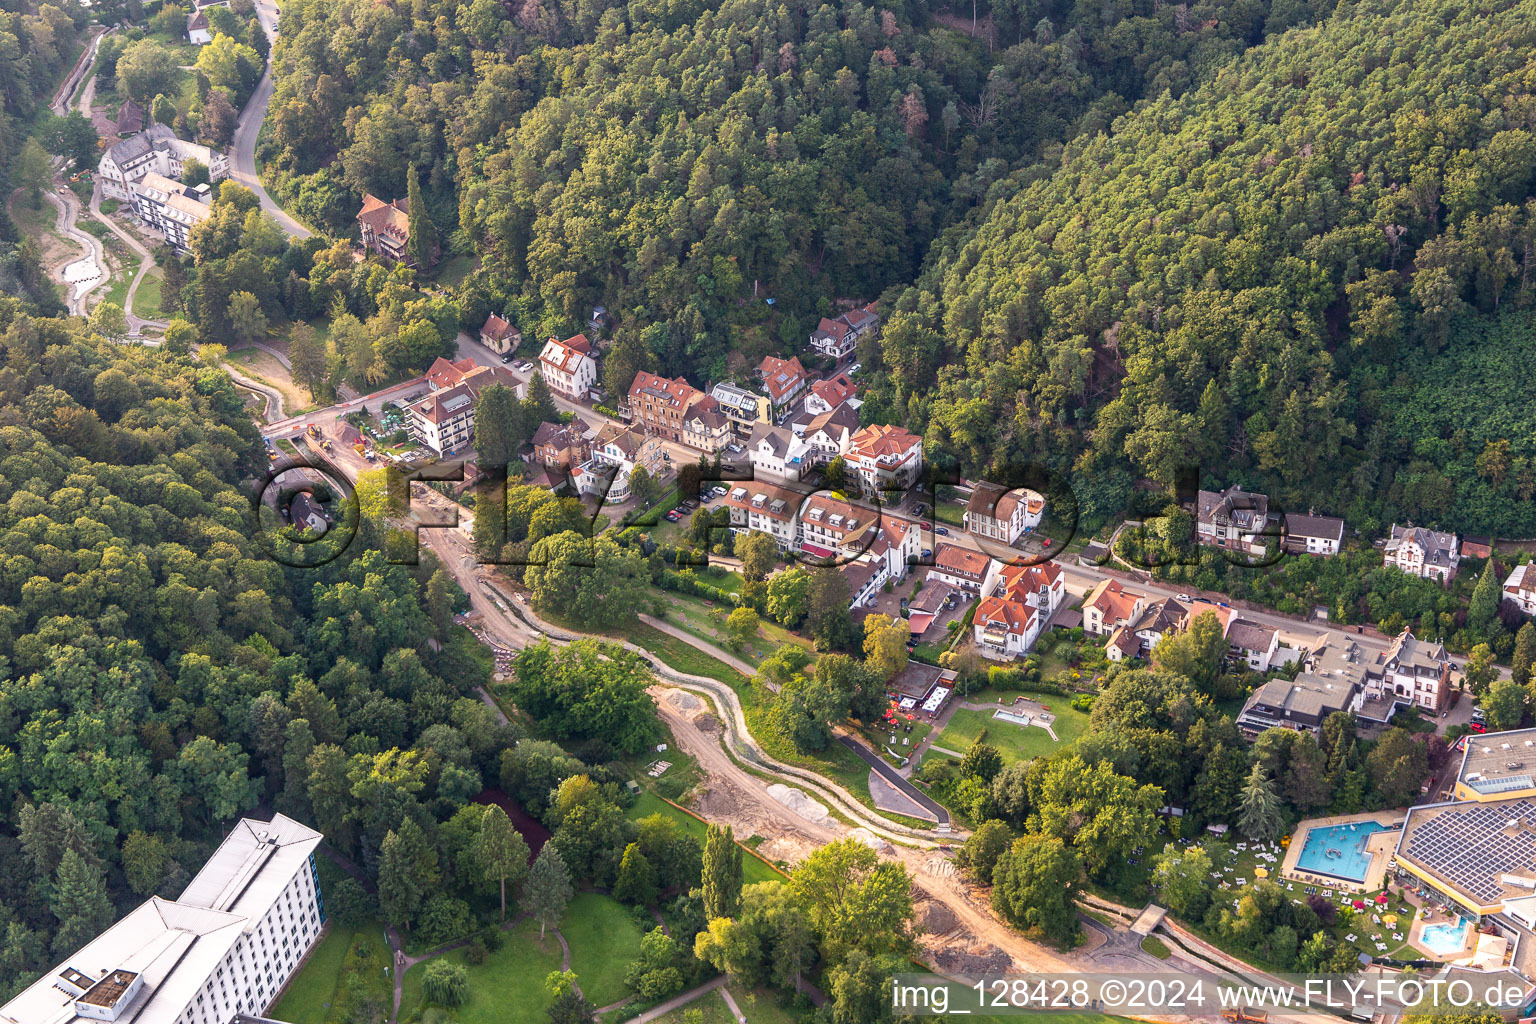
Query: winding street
{"points": [[242, 152]]}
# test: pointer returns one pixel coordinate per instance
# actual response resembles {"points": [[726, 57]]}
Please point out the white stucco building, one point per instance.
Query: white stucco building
{"points": [[225, 947], [154, 150]]}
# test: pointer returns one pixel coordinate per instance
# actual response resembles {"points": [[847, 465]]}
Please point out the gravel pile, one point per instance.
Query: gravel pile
{"points": [[990, 960], [683, 700], [799, 803]]}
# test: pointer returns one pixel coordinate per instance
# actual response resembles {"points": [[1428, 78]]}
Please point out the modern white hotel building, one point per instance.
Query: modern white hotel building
{"points": [[225, 948]]}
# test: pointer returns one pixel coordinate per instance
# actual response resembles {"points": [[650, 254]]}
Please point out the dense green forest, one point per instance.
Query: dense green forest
{"points": [[1310, 274], [1263, 238], [162, 675], [681, 163]]}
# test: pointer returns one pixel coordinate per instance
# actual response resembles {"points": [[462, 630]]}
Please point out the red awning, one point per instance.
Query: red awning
{"points": [[816, 552]]}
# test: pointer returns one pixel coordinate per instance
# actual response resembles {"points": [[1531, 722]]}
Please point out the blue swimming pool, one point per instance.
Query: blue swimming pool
{"points": [[1338, 850], [1444, 939]]}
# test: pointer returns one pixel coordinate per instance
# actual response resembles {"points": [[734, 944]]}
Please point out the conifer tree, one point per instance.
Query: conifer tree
{"points": [[722, 873]]}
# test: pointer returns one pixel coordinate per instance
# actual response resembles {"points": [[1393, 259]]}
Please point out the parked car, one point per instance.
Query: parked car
{"points": [[508, 357], [720, 492], [854, 369], [927, 552], [1182, 597], [941, 531], [672, 516]]}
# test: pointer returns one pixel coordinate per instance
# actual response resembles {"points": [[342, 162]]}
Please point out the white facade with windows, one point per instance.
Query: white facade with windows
{"points": [[227, 946], [155, 150]]}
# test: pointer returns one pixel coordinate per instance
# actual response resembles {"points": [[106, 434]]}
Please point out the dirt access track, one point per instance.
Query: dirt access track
{"points": [[962, 934]]}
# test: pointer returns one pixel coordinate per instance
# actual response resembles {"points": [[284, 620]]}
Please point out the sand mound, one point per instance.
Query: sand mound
{"points": [[798, 802], [869, 839], [683, 700]]}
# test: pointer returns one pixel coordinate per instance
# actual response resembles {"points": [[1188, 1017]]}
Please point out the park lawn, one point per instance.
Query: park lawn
{"points": [[1154, 945], [760, 1006], [753, 868], [146, 301], [1014, 742], [604, 940], [315, 995], [508, 988]]}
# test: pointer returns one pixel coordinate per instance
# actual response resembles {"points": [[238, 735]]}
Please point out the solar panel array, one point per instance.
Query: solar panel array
{"points": [[1472, 847]]}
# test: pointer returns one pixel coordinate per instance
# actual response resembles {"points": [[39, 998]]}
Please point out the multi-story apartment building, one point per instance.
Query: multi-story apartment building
{"points": [[224, 949], [832, 528], [169, 207], [837, 337], [705, 425], [568, 366], [1235, 519], [562, 445], [1420, 552], [996, 513], [827, 434], [784, 380], [1411, 671], [617, 451], [962, 568], [385, 228], [884, 458], [766, 508], [1109, 606], [775, 452], [658, 404], [826, 395], [154, 150], [1017, 605], [445, 420], [745, 409]]}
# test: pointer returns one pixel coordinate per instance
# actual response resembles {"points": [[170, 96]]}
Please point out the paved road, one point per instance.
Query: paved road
{"points": [[891, 775], [242, 153]]}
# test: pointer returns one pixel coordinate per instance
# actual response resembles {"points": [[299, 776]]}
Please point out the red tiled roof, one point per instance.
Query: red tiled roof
{"points": [[444, 374], [835, 390], [676, 391], [566, 355], [781, 376], [1015, 616], [962, 562], [881, 440], [496, 327], [1113, 600], [386, 218]]}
